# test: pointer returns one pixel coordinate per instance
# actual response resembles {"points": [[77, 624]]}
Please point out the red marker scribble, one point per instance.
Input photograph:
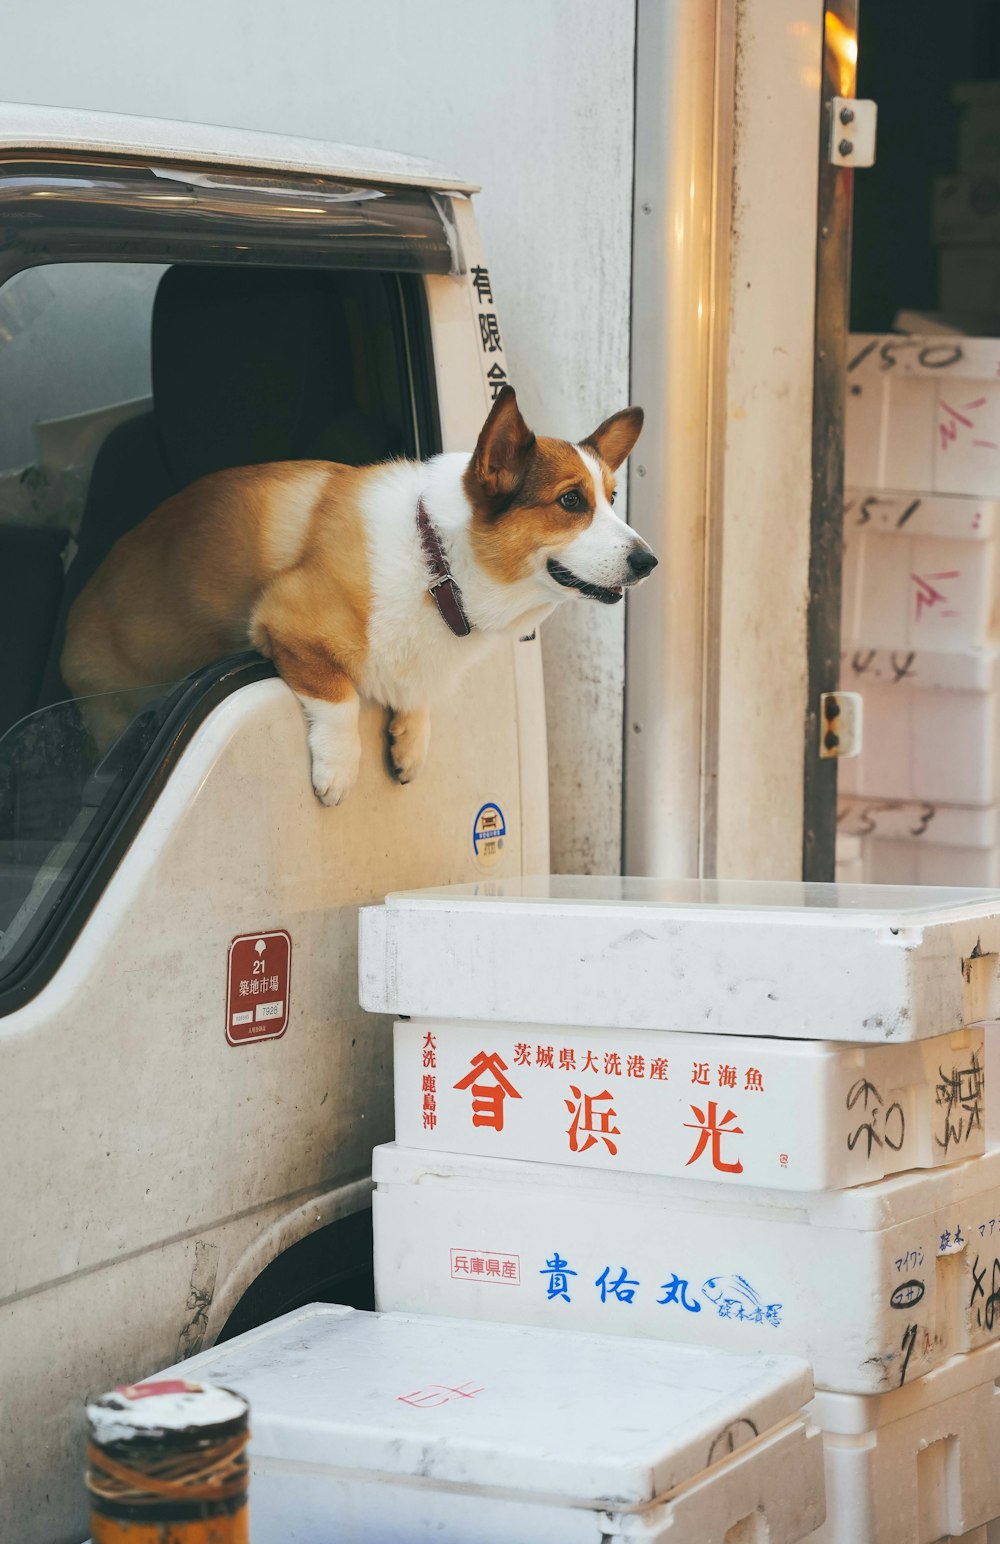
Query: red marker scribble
{"points": [[949, 431], [437, 1394], [928, 596]]}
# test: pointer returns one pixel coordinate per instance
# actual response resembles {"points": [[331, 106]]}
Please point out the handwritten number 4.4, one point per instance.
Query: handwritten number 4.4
{"points": [[901, 665]]}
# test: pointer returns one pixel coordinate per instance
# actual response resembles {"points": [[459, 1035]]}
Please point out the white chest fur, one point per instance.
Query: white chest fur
{"points": [[413, 657]]}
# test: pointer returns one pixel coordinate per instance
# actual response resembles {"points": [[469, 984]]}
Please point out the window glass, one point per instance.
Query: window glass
{"points": [[74, 341], [56, 798], [123, 383]]}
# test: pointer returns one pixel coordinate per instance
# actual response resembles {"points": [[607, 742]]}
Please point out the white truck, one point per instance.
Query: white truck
{"points": [[186, 1155], [189, 1093]]}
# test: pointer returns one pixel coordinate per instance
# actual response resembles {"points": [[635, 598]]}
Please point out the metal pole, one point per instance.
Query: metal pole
{"points": [[673, 311]]}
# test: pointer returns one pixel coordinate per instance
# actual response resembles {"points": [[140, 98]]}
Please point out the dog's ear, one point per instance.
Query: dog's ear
{"points": [[614, 439], [505, 443]]}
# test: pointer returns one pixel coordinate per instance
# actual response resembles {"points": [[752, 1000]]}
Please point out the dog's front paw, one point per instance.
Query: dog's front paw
{"points": [[409, 741], [335, 750], [332, 782]]}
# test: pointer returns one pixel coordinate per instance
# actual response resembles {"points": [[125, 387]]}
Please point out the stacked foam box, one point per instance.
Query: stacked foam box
{"points": [[749, 1117], [850, 859], [966, 208], [388, 1428], [920, 599]]}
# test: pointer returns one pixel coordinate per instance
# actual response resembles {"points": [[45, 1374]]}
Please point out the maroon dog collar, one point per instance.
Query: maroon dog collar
{"points": [[443, 590]]}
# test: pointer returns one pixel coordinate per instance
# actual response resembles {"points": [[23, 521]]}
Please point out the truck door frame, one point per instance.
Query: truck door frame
{"points": [[98, 206]]}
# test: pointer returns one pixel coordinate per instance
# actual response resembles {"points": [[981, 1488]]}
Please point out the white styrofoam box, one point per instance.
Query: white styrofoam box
{"points": [[914, 1465], [920, 572], [923, 413], [966, 208], [874, 1286], [383, 1429], [929, 863], [922, 843], [802, 962], [791, 1115], [972, 670], [979, 94], [849, 860], [899, 820], [969, 278], [939, 747]]}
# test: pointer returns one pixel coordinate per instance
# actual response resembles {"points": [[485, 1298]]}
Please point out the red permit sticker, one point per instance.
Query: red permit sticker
{"points": [[257, 994]]}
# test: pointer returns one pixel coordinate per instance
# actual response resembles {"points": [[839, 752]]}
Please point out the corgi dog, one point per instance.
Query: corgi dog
{"points": [[384, 581]]}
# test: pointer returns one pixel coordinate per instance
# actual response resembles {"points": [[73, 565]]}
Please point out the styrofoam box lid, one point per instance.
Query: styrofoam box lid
{"points": [[976, 93], [589, 1419], [853, 1414], [841, 962], [881, 1204], [776, 901]]}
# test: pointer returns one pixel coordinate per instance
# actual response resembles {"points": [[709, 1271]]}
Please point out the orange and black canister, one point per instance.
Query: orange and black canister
{"points": [[167, 1464]]}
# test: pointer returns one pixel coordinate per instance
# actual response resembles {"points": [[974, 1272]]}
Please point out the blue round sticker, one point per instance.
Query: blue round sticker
{"points": [[488, 832]]}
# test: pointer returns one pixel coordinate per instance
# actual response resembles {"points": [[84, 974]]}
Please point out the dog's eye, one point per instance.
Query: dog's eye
{"points": [[572, 499], [613, 497]]}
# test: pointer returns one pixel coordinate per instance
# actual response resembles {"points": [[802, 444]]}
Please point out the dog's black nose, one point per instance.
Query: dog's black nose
{"points": [[641, 561]]}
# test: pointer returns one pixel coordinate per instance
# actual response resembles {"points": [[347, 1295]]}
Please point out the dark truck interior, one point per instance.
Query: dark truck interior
{"points": [[247, 365]]}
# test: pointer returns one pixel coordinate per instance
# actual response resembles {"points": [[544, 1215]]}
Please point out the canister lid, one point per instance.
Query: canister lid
{"points": [[164, 1407]]}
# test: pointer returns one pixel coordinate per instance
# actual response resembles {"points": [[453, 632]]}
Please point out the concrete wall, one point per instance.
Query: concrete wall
{"points": [[533, 98]]}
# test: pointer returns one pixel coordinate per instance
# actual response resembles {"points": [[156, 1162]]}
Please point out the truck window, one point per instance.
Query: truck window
{"points": [[122, 383]]}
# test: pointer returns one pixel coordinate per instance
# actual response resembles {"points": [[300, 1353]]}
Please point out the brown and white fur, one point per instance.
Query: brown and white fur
{"points": [[320, 566]]}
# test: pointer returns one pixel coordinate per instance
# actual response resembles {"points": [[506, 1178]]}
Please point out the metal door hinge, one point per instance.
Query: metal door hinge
{"points": [[852, 131], [841, 715]]}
